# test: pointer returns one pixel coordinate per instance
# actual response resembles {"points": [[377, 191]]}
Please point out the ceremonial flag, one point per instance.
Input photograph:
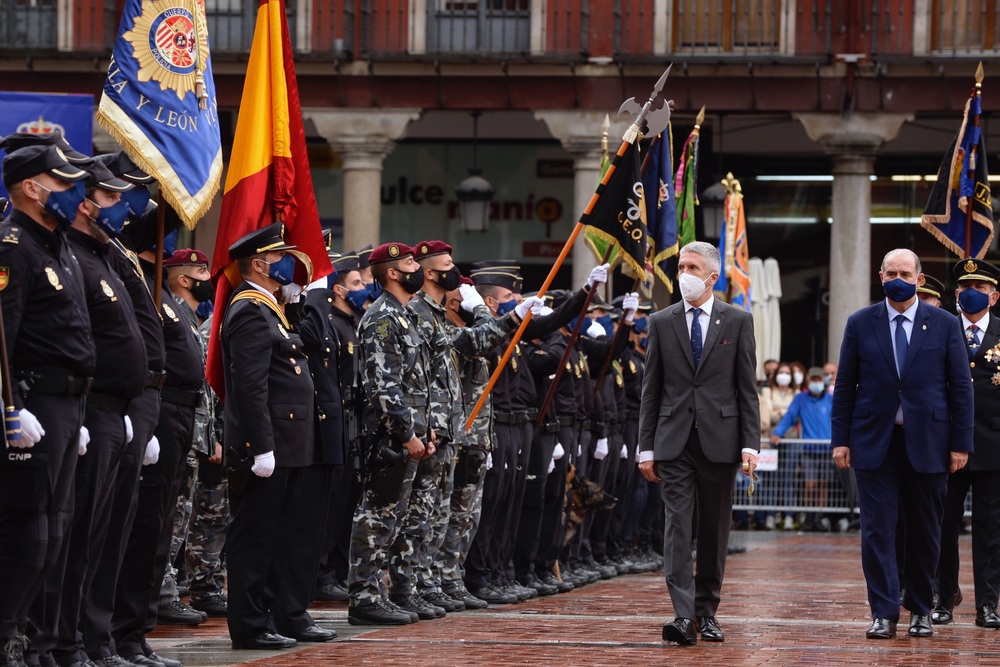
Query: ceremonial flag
{"points": [[619, 215], [963, 178], [661, 207], [686, 185], [159, 101], [597, 244], [268, 179], [733, 285]]}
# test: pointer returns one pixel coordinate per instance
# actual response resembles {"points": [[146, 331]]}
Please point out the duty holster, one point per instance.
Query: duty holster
{"points": [[239, 474], [384, 466], [469, 465]]}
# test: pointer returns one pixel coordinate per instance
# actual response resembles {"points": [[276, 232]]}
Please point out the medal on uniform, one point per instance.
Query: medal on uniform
{"points": [[108, 292], [281, 329], [53, 277], [170, 313], [4, 277]]}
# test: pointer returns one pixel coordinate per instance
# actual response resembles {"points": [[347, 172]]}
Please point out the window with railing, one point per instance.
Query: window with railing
{"points": [[479, 26], [231, 24], [28, 24], [732, 26], [964, 26]]}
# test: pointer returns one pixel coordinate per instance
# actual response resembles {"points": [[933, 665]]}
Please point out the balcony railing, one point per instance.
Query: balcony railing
{"points": [[567, 30]]}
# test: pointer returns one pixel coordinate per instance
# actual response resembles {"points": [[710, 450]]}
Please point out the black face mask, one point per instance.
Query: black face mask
{"points": [[413, 281], [202, 290], [467, 317], [450, 279]]}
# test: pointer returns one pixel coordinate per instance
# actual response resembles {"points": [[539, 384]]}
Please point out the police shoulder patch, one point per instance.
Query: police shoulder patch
{"points": [[12, 236], [4, 277], [382, 330]]}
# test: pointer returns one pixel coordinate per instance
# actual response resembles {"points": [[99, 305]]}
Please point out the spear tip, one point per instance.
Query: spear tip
{"points": [[606, 125], [701, 116], [979, 73], [663, 80]]}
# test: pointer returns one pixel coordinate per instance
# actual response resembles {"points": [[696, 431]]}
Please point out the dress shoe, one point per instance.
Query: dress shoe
{"points": [[334, 592], [377, 613], [315, 634], [881, 628], [142, 660], [551, 579], [416, 604], [113, 661], [493, 596], [446, 602], [82, 663], [531, 581], [987, 617], [264, 641], [733, 549], [682, 631], [214, 605], [166, 662], [709, 629], [176, 612], [468, 599], [941, 616], [920, 625]]}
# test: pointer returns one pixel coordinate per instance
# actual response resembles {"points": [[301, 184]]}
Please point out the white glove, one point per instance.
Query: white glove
{"points": [[318, 284], [558, 452], [81, 444], [532, 303], [552, 466], [579, 450], [544, 310], [290, 293], [31, 431], [595, 330], [152, 454], [263, 464], [470, 297], [602, 449], [624, 451], [630, 304], [598, 274], [489, 461], [128, 430]]}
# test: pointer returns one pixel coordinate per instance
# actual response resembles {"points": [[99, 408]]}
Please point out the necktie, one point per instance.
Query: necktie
{"points": [[901, 344], [696, 335], [973, 338]]}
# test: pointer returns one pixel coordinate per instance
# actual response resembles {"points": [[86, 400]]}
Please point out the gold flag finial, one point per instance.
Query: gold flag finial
{"points": [[979, 73], [701, 117], [606, 125]]}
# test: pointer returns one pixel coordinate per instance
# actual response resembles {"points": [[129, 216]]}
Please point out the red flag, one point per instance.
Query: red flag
{"points": [[268, 179]]}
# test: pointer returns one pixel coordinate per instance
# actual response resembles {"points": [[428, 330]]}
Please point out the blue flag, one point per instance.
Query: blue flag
{"points": [[963, 180], [661, 207], [159, 101]]}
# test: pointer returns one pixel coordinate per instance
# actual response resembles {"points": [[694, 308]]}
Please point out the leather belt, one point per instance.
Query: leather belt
{"points": [[188, 397], [532, 415], [55, 382], [155, 379], [566, 420], [510, 417], [584, 424], [107, 402]]}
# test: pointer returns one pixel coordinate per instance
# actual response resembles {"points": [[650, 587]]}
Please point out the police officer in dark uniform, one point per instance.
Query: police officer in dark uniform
{"points": [[51, 356], [118, 378], [269, 434], [350, 294]]}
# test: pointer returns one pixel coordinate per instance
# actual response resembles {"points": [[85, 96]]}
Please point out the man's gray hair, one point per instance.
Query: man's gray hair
{"points": [[905, 251], [708, 251]]}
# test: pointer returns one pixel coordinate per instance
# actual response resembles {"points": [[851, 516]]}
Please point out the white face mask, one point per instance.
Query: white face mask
{"points": [[783, 379], [798, 378], [692, 286]]}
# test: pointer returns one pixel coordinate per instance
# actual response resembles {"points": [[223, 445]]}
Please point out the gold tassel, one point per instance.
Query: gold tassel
{"points": [[200, 90]]}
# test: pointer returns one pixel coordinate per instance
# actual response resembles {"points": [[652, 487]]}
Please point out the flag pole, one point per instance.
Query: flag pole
{"points": [[977, 92], [158, 270], [630, 135]]}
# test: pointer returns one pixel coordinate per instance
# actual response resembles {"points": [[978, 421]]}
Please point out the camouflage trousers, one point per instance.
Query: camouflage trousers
{"points": [[413, 556], [376, 525], [466, 508], [199, 528]]}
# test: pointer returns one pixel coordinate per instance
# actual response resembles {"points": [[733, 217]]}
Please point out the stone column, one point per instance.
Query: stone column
{"points": [[580, 134], [363, 137], [852, 145]]}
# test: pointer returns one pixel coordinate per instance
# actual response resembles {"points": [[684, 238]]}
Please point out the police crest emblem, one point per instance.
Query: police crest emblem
{"points": [[4, 277], [108, 292], [53, 277], [168, 43]]}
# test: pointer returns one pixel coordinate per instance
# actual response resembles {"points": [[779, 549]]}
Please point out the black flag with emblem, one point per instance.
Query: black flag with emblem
{"points": [[619, 215]]}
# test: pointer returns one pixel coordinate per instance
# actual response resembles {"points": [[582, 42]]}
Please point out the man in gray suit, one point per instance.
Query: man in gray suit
{"points": [[698, 419]]}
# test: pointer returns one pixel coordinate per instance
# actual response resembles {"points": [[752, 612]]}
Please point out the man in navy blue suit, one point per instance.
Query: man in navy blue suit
{"points": [[902, 417]]}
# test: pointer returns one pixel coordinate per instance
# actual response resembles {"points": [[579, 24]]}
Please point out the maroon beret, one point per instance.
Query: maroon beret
{"points": [[187, 257], [426, 249], [465, 280], [389, 252]]}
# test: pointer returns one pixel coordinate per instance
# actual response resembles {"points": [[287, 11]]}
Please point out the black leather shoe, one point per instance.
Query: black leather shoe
{"points": [[709, 629], [987, 617], [493, 596], [166, 662], [214, 605], [443, 600], [176, 612], [881, 628], [681, 631], [264, 641], [920, 625], [331, 593], [142, 660], [941, 616], [416, 604], [377, 613], [468, 599], [315, 634]]}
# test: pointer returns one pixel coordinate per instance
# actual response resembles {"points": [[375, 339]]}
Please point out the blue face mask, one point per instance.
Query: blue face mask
{"points": [[899, 290], [136, 199], [506, 307], [205, 310], [642, 343], [973, 301], [282, 271], [374, 290], [112, 218], [571, 325], [606, 322], [640, 325], [357, 298], [62, 205]]}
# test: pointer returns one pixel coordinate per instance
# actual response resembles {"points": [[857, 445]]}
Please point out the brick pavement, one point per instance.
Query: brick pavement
{"points": [[792, 599]]}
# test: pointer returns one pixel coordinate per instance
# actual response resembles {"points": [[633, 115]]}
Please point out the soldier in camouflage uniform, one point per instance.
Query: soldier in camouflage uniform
{"points": [[202, 506], [413, 568], [395, 376]]}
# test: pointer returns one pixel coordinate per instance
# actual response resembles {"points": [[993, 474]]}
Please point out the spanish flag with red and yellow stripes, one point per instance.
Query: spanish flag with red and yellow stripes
{"points": [[268, 179]]}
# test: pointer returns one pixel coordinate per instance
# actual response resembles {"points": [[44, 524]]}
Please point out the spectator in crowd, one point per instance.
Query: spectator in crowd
{"points": [[779, 393]]}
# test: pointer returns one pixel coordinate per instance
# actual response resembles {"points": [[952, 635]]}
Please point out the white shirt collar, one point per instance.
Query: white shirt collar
{"points": [[261, 289], [983, 322], [705, 307], [910, 313]]}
